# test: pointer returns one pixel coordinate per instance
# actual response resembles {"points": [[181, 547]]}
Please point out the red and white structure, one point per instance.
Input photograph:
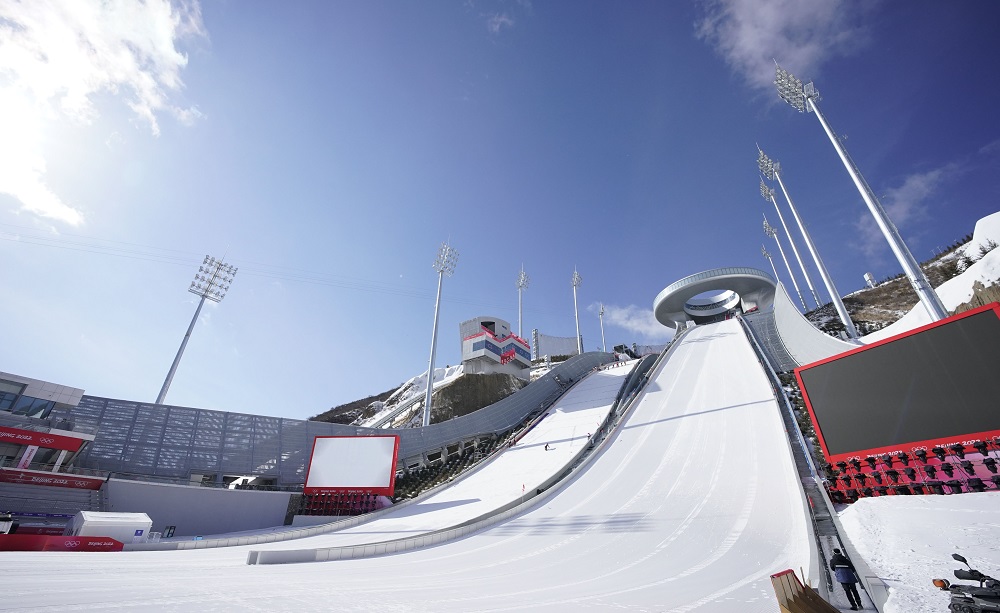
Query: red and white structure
{"points": [[489, 346]]}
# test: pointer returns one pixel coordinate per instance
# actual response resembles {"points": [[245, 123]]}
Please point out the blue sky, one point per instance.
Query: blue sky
{"points": [[328, 148]]}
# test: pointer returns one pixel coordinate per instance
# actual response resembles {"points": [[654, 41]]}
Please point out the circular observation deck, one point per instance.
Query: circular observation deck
{"points": [[755, 289]]}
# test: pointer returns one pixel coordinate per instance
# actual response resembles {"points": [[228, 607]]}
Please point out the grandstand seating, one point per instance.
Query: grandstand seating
{"points": [[409, 484], [24, 500]]}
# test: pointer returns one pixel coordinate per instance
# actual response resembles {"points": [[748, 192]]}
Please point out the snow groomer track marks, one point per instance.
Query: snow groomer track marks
{"points": [[690, 506]]}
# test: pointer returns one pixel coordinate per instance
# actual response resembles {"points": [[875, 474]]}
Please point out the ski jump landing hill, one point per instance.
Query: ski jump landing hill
{"points": [[690, 505]]}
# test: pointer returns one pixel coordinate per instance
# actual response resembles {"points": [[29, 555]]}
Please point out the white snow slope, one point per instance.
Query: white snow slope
{"points": [[690, 507]]}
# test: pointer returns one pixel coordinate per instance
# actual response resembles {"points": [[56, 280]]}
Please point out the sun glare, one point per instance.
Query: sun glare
{"points": [[22, 163]]}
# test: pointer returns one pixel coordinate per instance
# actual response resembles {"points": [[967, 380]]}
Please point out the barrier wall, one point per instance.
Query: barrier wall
{"points": [[198, 510], [803, 341], [41, 542]]}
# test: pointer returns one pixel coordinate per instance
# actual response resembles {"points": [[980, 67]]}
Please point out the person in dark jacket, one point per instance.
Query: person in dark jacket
{"points": [[847, 577]]}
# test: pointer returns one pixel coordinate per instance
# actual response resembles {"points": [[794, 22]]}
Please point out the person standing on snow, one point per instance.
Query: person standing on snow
{"points": [[847, 577]]}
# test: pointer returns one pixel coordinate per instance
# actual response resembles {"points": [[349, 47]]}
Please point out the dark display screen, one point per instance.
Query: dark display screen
{"points": [[942, 382]]}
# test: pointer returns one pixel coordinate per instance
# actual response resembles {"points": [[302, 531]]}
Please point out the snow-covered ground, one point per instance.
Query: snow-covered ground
{"points": [[516, 470], [690, 506], [413, 390], [908, 541]]}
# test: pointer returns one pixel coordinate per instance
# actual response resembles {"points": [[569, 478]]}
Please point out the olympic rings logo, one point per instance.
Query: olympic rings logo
{"points": [[45, 440], [71, 544]]}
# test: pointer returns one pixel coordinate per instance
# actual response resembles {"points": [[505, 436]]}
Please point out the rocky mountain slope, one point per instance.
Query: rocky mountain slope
{"points": [[874, 308]]}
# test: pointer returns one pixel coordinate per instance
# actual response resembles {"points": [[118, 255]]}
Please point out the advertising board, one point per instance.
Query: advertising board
{"points": [[935, 386]]}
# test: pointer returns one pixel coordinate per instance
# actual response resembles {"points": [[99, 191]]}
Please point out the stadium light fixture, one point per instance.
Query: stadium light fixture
{"points": [[768, 194], [522, 284], [803, 98], [577, 280], [770, 231], [772, 170], [211, 283], [445, 263], [600, 314], [767, 254]]}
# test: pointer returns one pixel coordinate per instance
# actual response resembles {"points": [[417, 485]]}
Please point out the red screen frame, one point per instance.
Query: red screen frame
{"points": [[965, 440], [382, 491]]}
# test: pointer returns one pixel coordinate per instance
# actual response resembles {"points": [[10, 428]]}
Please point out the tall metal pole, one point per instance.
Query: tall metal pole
{"points": [[604, 345], [177, 359], [770, 231], [768, 194], [824, 274], [577, 280], [803, 98], [444, 265], [766, 254], [522, 284], [212, 287]]}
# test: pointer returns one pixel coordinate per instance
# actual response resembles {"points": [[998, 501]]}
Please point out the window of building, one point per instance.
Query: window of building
{"points": [[9, 391], [32, 407]]}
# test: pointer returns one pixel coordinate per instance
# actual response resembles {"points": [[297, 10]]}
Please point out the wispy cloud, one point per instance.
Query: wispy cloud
{"points": [[801, 36], [56, 58], [906, 205], [637, 320], [990, 148], [498, 21]]}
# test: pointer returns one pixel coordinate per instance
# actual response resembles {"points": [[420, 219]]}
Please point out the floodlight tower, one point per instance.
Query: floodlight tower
{"points": [[577, 280], [772, 170], [768, 194], [770, 231], [766, 254], [522, 284], [803, 98], [211, 283], [600, 314], [444, 265]]}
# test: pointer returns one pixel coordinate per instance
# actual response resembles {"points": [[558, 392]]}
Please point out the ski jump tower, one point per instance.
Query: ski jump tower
{"points": [[489, 346]]}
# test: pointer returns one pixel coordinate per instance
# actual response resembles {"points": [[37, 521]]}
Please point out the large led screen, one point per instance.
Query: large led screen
{"points": [[937, 385], [352, 463]]}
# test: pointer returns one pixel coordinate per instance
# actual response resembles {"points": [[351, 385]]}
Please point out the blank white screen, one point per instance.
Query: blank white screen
{"points": [[352, 462]]}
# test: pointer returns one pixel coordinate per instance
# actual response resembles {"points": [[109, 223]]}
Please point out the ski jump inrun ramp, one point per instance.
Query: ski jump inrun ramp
{"points": [[690, 506]]}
